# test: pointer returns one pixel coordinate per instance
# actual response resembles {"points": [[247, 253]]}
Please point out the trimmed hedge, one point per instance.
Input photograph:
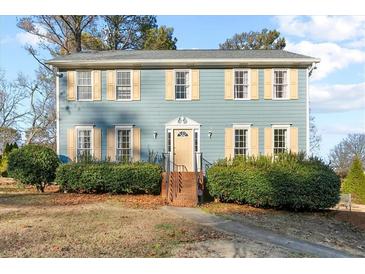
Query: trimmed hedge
{"points": [[289, 182], [33, 164], [106, 177]]}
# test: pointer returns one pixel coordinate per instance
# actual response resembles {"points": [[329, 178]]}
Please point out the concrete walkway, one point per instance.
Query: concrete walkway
{"points": [[255, 233]]}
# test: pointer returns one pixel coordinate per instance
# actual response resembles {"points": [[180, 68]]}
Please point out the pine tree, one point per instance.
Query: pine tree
{"points": [[354, 183]]}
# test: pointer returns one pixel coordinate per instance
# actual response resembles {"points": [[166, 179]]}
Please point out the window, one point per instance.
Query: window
{"points": [[169, 141], [241, 84], [84, 143], [196, 141], [182, 87], [124, 151], [241, 141], [280, 140], [84, 87], [182, 134], [280, 87], [123, 85]]}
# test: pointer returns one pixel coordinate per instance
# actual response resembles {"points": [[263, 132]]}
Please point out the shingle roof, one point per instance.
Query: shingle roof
{"points": [[178, 54]]}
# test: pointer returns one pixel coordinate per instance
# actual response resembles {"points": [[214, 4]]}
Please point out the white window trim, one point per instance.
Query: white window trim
{"points": [[78, 128], [92, 86], [115, 88], [242, 126], [287, 141], [123, 127], [190, 82], [273, 94], [248, 84]]}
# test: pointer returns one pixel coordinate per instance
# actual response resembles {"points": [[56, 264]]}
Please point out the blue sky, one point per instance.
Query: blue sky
{"points": [[337, 87]]}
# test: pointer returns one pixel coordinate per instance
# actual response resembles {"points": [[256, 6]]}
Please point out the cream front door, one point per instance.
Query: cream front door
{"points": [[183, 148]]}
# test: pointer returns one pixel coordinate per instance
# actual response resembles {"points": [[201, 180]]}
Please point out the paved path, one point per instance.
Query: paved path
{"points": [[256, 233]]}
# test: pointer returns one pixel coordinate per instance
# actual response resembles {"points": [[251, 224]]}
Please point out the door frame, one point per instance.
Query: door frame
{"points": [[182, 123]]}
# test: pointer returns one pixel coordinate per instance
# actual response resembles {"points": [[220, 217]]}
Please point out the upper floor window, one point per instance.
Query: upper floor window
{"points": [[124, 85], [84, 87], [280, 139], [124, 144], [280, 84], [84, 143], [241, 141], [182, 84], [241, 84]]}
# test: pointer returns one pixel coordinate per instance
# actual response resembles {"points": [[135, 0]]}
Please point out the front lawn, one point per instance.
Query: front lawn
{"points": [[81, 225]]}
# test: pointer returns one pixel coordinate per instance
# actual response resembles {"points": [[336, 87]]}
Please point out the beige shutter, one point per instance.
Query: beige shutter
{"points": [[169, 84], [254, 84], [97, 144], [228, 84], [71, 143], [136, 144], [254, 141], [136, 85], [110, 85], [293, 84], [268, 141], [195, 84], [71, 92], [110, 144], [268, 84], [294, 139], [228, 143], [97, 85]]}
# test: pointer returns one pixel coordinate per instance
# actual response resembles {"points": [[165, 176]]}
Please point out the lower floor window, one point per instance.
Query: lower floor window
{"points": [[84, 146], [240, 142], [124, 152], [280, 140]]}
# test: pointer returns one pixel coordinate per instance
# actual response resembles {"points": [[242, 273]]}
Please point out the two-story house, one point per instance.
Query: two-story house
{"points": [[124, 105]]}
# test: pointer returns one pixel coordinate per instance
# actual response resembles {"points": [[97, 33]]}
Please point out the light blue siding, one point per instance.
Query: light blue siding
{"points": [[211, 111]]}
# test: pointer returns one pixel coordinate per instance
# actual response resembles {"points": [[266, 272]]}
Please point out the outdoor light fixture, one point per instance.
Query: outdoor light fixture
{"points": [[155, 134], [210, 133]]}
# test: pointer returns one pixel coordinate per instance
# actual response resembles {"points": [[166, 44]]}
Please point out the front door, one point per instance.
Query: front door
{"points": [[183, 148]]}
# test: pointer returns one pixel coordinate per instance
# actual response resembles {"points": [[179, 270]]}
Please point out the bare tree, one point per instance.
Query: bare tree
{"points": [[42, 107], [342, 155], [314, 137], [11, 98], [59, 34]]}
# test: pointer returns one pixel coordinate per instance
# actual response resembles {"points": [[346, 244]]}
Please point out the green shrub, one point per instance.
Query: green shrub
{"points": [[289, 182], [4, 159], [354, 183], [33, 164], [107, 177]]}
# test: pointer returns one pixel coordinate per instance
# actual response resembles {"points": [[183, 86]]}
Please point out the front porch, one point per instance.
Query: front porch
{"points": [[181, 187]]}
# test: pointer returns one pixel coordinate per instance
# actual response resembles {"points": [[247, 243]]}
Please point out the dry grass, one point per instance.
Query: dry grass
{"points": [[81, 225], [331, 228]]}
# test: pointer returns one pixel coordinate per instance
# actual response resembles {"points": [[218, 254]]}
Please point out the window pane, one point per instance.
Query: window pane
{"points": [[83, 144], [123, 145], [280, 84], [241, 84], [240, 142], [181, 84], [280, 136], [84, 93]]}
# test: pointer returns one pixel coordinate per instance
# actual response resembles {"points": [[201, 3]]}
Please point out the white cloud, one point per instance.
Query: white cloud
{"points": [[25, 38], [5, 40], [333, 57], [337, 98], [342, 129], [324, 28]]}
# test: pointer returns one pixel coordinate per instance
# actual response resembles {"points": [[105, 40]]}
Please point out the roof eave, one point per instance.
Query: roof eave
{"points": [[183, 62]]}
